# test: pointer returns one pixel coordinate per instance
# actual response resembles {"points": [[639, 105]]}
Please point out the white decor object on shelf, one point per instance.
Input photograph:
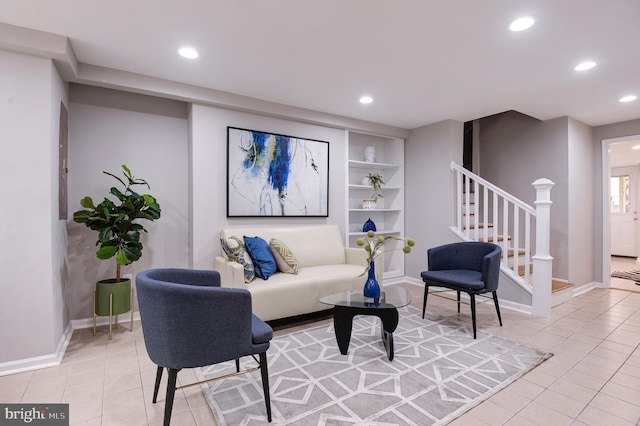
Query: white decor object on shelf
{"points": [[370, 154], [369, 204]]}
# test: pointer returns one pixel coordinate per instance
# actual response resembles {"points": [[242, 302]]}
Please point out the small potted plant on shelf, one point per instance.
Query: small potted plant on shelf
{"points": [[376, 181], [118, 236]]}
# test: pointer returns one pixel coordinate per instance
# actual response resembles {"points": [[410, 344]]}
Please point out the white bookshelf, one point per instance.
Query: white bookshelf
{"points": [[389, 214]]}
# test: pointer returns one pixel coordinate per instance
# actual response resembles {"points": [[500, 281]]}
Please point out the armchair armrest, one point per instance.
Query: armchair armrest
{"points": [[231, 273]]}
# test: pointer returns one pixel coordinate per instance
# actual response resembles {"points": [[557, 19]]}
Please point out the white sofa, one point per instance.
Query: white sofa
{"points": [[325, 265]]}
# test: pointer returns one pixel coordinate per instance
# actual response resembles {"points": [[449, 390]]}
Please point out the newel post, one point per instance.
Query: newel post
{"points": [[542, 260]]}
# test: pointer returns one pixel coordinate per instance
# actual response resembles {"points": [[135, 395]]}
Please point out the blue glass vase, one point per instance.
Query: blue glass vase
{"points": [[371, 286], [369, 225]]}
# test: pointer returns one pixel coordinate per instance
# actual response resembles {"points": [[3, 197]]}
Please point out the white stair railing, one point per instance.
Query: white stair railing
{"points": [[484, 212]]}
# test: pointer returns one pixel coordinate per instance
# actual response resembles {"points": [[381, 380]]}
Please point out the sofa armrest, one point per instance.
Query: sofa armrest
{"points": [[356, 256], [231, 273]]}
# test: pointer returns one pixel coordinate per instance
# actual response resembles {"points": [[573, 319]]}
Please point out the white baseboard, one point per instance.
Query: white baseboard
{"points": [[54, 359], [577, 291], [38, 362]]}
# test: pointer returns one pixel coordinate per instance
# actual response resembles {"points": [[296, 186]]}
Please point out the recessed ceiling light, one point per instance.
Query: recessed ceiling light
{"points": [[188, 52], [635, 147], [521, 24], [628, 98], [583, 66], [366, 100]]}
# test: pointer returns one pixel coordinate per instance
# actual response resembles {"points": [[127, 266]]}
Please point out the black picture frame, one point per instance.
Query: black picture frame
{"points": [[276, 175]]}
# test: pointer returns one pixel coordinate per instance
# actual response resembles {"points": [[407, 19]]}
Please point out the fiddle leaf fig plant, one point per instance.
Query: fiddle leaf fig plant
{"points": [[117, 221]]}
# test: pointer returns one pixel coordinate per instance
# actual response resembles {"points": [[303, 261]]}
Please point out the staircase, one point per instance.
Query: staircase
{"points": [[484, 212]]}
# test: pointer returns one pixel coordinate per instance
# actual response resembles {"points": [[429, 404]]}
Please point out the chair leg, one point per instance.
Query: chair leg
{"points": [[424, 300], [171, 391], [237, 365], [158, 378], [473, 312], [458, 301], [495, 301], [265, 383]]}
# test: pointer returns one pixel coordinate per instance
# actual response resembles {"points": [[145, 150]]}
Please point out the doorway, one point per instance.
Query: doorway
{"points": [[621, 189], [623, 211]]}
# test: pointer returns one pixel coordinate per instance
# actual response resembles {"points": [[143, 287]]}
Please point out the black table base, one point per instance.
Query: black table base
{"points": [[343, 324]]}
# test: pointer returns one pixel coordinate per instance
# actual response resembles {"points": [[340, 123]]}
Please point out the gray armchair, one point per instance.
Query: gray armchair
{"points": [[189, 321], [472, 267]]}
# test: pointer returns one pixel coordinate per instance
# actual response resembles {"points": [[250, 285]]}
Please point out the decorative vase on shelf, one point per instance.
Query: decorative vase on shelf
{"points": [[371, 286], [370, 154], [369, 225]]}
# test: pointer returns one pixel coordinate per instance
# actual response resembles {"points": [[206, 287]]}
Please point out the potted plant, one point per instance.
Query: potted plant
{"points": [[376, 181], [118, 236]]}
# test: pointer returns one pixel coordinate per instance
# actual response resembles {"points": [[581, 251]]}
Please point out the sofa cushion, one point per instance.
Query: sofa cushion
{"points": [[285, 259], [263, 261], [233, 248]]}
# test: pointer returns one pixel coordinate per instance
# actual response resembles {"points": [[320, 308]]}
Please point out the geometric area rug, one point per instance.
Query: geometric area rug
{"points": [[438, 372]]}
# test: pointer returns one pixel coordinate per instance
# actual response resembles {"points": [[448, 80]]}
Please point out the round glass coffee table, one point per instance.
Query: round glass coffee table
{"points": [[348, 304]]}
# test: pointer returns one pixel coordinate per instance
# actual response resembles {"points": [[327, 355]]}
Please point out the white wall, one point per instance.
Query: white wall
{"points": [[109, 128], [30, 328], [209, 175], [428, 202]]}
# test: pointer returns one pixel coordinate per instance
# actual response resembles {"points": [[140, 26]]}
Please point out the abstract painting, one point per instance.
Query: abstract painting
{"points": [[276, 175]]}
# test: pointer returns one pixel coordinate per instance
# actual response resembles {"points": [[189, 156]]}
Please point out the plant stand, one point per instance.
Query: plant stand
{"points": [[112, 299]]}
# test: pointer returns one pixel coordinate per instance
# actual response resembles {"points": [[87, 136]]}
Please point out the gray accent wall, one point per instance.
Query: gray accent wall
{"points": [[581, 195], [515, 150], [429, 151], [108, 128]]}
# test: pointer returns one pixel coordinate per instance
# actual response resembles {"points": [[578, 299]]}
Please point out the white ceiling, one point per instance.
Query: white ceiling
{"points": [[422, 61]]}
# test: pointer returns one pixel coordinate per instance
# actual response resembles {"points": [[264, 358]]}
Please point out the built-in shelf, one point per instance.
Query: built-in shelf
{"points": [[368, 187], [389, 216], [379, 232], [370, 165], [375, 210]]}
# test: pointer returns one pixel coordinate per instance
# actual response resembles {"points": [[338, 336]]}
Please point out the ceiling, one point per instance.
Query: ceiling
{"points": [[422, 61]]}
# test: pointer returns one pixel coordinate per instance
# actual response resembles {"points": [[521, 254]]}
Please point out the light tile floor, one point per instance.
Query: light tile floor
{"points": [[592, 379]]}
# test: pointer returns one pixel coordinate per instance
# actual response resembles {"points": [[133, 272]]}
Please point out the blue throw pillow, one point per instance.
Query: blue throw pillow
{"points": [[263, 261]]}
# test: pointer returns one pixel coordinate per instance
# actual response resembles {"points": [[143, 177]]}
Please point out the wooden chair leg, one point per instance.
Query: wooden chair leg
{"points": [[495, 301], [424, 300], [158, 378], [265, 383], [458, 291], [473, 312], [171, 391]]}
